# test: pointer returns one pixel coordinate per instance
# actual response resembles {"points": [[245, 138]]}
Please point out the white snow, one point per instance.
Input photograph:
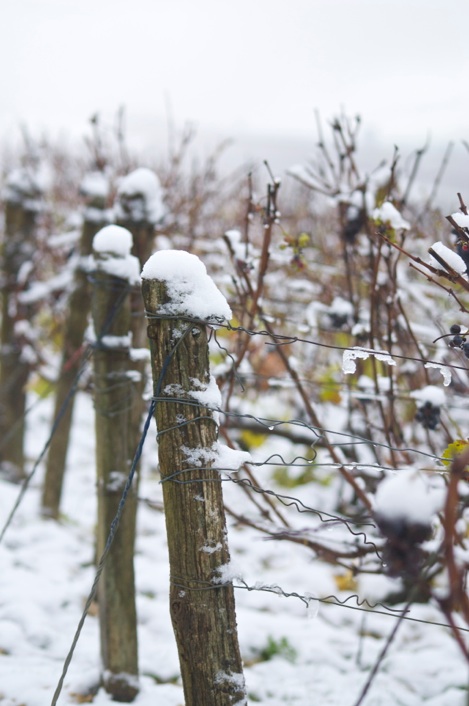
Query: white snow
{"points": [[112, 246], [406, 495], [220, 456], [92, 214], [24, 185], [95, 184], [388, 213], [452, 258], [117, 341], [139, 197], [113, 240], [341, 307], [351, 354], [445, 370], [48, 569], [234, 679], [190, 289], [41, 290], [461, 219], [228, 459], [430, 393], [208, 394], [227, 573], [137, 354]]}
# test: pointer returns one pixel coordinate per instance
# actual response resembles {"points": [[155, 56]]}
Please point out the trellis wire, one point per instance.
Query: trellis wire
{"points": [[115, 522], [86, 355], [102, 560], [285, 499], [56, 422]]}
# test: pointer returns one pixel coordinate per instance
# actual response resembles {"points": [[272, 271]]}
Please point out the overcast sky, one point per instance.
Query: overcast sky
{"points": [[246, 69]]}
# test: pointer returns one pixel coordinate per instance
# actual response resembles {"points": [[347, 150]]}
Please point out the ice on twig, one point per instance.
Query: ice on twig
{"points": [[351, 354], [444, 370]]}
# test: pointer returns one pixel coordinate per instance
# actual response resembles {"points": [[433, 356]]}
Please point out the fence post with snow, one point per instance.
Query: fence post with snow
{"points": [[22, 204], [115, 272], [180, 299], [139, 208], [94, 189]]}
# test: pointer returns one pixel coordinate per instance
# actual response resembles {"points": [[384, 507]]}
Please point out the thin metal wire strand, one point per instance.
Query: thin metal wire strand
{"points": [[26, 483], [283, 339], [123, 291], [331, 599], [115, 522], [319, 432], [102, 560]]}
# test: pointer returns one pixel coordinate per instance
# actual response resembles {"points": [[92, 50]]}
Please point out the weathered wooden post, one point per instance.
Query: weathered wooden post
{"points": [[139, 208], [95, 190], [115, 272], [178, 296], [22, 204]]}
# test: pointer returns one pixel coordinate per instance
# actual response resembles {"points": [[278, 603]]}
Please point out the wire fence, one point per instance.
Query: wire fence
{"points": [[364, 543]]}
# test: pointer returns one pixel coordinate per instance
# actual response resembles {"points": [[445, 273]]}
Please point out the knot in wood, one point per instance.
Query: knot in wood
{"points": [[152, 330]]}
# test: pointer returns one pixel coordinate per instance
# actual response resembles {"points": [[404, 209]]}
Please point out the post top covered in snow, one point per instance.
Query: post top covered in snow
{"points": [[139, 197], [112, 246], [113, 240], [24, 185], [95, 184], [190, 289]]}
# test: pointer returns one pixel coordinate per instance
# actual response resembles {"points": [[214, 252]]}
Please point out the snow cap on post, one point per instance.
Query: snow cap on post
{"points": [[190, 290], [95, 190], [95, 185], [23, 186], [111, 247], [139, 197]]}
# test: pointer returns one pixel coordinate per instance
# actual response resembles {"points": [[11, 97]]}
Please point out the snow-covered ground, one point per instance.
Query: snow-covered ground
{"points": [[322, 657]]}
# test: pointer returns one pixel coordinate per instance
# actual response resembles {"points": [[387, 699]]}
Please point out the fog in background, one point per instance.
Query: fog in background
{"points": [[252, 71]]}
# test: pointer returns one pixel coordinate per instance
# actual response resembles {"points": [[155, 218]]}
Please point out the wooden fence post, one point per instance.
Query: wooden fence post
{"points": [[21, 208], [95, 217], [202, 606], [139, 208], [116, 270]]}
